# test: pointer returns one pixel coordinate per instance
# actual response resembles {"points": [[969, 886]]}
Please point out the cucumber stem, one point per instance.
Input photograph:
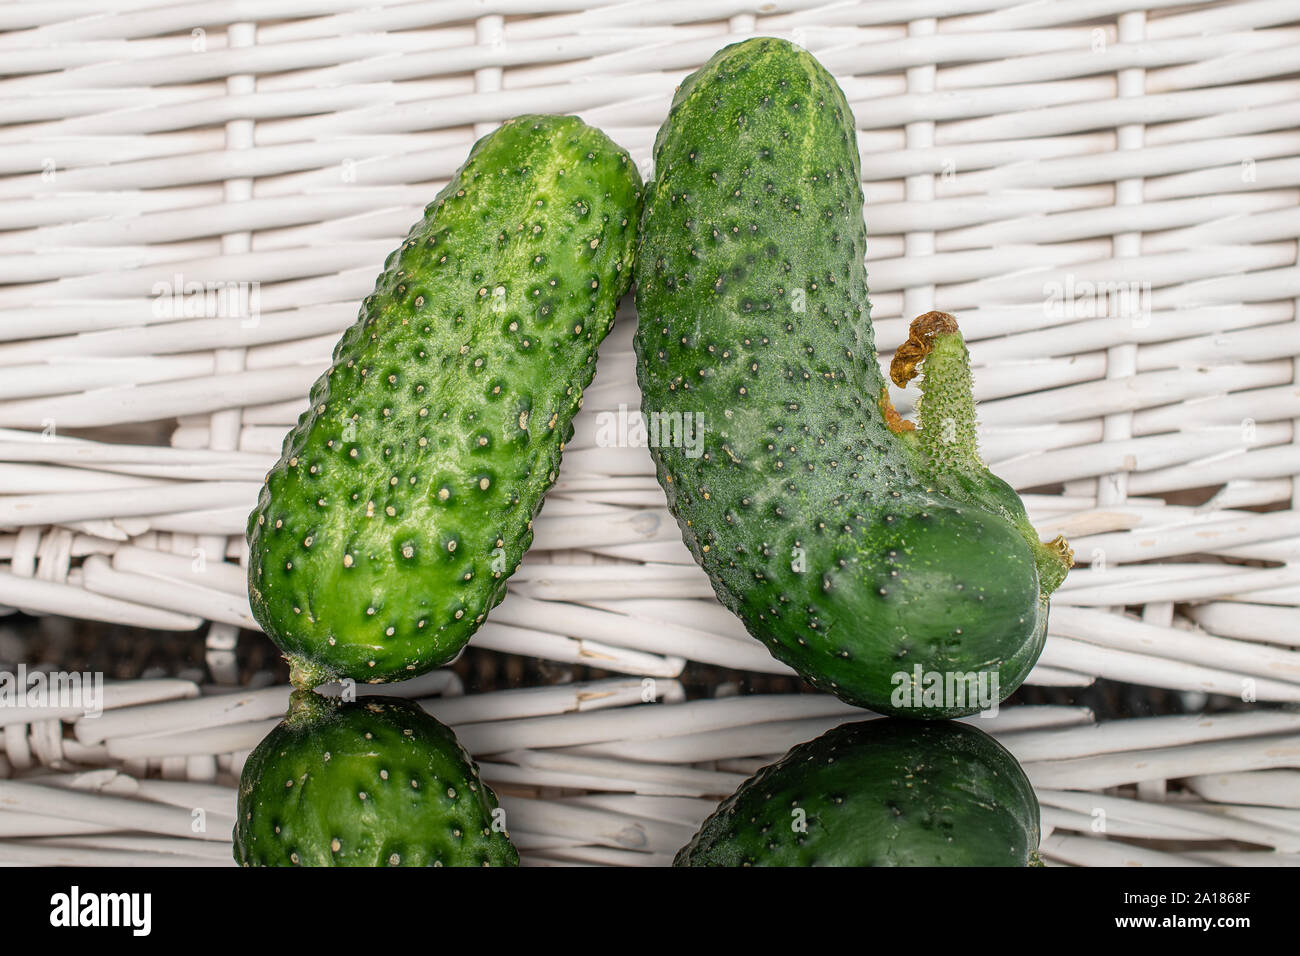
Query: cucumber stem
{"points": [[305, 674], [307, 706], [946, 409], [1054, 562], [947, 435]]}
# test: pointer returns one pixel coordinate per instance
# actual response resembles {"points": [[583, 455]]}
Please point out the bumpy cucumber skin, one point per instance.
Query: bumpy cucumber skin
{"points": [[883, 792], [375, 782], [404, 497], [822, 528]]}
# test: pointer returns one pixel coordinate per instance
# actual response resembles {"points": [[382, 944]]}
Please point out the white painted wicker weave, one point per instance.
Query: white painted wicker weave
{"points": [[1023, 163]]}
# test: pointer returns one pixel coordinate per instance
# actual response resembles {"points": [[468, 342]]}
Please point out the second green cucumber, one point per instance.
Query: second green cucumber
{"points": [[404, 497]]}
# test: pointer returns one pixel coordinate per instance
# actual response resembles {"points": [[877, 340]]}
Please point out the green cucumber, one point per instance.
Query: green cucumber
{"points": [[874, 556], [884, 792], [404, 497], [374, 782]]}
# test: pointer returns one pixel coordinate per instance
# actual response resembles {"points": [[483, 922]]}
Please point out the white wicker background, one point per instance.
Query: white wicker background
{"points": [[280, 149]]}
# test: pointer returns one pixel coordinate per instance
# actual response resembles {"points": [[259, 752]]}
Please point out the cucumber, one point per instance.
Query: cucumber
{"points": [[885, 792], [878, 558], [374, 782], [404, 496]]}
